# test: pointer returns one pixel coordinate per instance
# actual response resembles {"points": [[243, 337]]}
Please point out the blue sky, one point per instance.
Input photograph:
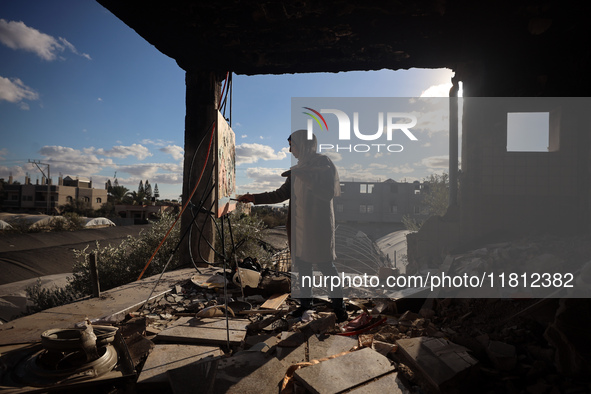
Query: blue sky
{"points": [[82, 91]]}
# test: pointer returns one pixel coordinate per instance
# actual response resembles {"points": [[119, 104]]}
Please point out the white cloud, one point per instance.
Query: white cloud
{"points": [[334, 156], [17, 35], [15, 91], [138, 151], [73, 49], [153, 171], [18, 172], [262, 180], [379, 165], [243, 136], [73, 161], [435, 162], [251, 153], [157, 142], [437, 90], [175, 151]]}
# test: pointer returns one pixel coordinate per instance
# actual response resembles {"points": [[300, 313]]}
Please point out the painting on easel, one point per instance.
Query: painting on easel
{"points": [[225, 166]]}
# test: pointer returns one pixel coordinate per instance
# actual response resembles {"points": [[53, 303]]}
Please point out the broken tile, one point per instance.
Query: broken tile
{"points": [[205, 330], [502, 355], [249, 372], [439, 361], [165, 357], [329, 345], [344, 372], [386, 384], [198, 376]]}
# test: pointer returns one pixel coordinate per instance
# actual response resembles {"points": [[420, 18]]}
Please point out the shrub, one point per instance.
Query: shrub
{"points": [[122, 264], [48, 298], [117, 265], [247, 232]]}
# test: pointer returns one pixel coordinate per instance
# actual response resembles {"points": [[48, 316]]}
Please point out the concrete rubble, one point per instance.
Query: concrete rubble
{"points": [[185, 339]]}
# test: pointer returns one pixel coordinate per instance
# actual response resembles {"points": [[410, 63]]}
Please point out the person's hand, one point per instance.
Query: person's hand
{"points": [[246, 198]]}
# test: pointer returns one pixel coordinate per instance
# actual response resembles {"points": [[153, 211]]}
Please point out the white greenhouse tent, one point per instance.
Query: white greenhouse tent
{"points": [[4, 225], [97, 222]]}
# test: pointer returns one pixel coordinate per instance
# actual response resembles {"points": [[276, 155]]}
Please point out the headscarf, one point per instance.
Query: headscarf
{"points": [[309, 158], [306, 147]]}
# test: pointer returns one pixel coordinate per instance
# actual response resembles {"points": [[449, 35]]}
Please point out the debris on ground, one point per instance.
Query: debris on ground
{"points": [[212, 332]]}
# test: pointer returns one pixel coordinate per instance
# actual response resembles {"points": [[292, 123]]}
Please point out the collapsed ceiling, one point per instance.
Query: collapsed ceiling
{"points": [[275, 37]]}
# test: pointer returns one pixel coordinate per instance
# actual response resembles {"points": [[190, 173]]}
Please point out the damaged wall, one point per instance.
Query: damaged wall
{"points": [[497, 49], [519, 193]]}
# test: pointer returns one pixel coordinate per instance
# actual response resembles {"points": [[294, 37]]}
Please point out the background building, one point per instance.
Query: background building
{"points": [[377, 208], [30, 197]]}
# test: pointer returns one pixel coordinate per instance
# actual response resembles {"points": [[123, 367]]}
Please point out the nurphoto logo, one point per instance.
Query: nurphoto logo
{"points": [[392, 125]]}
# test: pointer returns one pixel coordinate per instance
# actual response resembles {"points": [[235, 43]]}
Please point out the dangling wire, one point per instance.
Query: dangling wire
{"points": [[192, 192]]}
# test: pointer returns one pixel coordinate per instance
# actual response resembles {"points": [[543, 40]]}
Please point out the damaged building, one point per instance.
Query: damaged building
{"points": [[506, 206]]}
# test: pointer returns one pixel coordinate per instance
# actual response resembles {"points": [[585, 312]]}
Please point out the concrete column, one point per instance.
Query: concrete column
{"points": [[203, 92], [453, 143]]}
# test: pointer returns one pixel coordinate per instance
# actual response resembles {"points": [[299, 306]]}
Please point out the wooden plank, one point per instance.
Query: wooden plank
{"points": [[275, 301]]}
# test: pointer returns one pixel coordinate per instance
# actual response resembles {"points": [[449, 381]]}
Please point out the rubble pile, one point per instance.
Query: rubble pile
{"points": [[530, 259], [448, 345]]}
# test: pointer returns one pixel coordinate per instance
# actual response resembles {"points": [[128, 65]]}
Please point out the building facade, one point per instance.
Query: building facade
{"points": [[30, 197], [377, 208]]}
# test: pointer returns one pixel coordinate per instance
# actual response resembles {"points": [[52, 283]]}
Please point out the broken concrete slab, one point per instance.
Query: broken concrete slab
{"points": [[344, 372], [439, 361], [138, 347], [195, 377], [329, 345], [386, 384], [292, 347], [249, 372], [502, 355], [113, 305], [205, 330], [254, 339], [167, 357]]}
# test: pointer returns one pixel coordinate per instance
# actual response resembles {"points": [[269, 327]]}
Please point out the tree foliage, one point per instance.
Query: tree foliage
{"points": [[247, 234], [116, 194], [435, 200], [148, 190]]}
